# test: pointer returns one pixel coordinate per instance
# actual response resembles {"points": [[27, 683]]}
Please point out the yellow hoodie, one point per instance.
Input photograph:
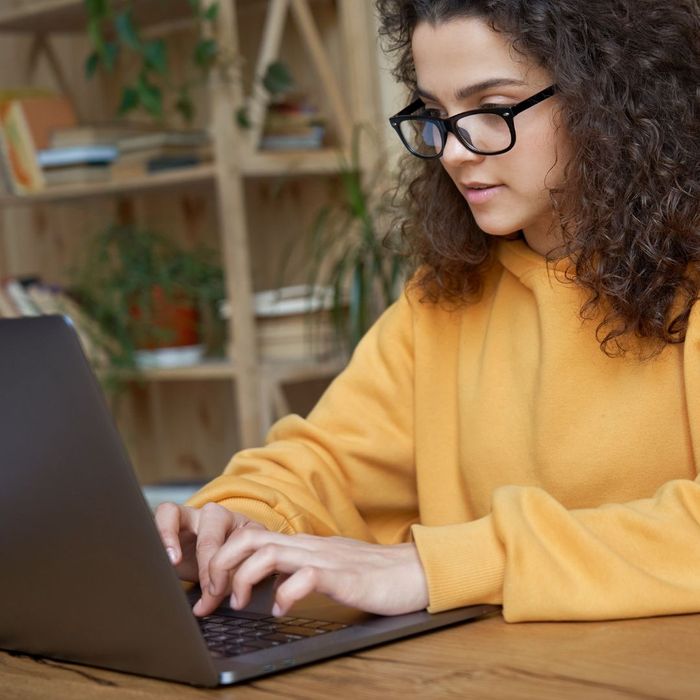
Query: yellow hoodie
{"points": [[530, 469]]}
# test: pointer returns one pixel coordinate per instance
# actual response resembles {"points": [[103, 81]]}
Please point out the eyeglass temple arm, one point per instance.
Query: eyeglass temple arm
{"points": [[410, 109], [531, 101]]}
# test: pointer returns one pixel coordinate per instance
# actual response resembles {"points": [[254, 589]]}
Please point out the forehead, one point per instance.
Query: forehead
{"points": [[462, 51]]}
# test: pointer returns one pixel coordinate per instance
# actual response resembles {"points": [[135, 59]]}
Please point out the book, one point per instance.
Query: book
{"points": [[81, 174], [18, 156], [165, 151], [96, 134], [17, 293], [281, 142], [152, 160], [76, 155], [292, 124], [52, 300], [294, 323], [191, 138], [7, 306], [161, 163]]}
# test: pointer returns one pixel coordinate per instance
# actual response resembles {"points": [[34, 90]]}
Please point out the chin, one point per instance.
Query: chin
{"points": [[499, 231]]}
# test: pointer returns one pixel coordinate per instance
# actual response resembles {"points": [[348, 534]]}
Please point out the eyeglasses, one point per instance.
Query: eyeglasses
{"points": [[487, 132]]}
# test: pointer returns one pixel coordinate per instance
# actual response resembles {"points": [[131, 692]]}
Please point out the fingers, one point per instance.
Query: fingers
{"points": [[273, 557], [215, 525], [384, 579], [258, 544], [295, 587], [168, 517]]}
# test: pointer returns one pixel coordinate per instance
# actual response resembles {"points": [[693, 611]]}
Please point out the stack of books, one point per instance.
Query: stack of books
{"points": [[293, 324], [72, 165], [292, 125], [29, 296], [156, 151], [81, 154], [42, 145]]}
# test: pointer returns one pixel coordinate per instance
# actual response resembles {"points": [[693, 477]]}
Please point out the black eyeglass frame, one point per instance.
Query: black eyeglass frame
{"points": [[448, 125]]}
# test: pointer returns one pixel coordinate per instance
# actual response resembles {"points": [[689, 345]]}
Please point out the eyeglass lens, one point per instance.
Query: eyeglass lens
{"points": [[485, 133]]}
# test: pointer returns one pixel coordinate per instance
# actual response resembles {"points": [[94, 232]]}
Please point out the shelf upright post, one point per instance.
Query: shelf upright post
{"points": [[226, 97], [362, 91]]}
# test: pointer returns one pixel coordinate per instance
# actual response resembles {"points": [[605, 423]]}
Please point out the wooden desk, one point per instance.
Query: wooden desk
{"points": [[647, 659]]}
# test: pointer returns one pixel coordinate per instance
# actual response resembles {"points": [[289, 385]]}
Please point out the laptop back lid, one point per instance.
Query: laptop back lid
{"points": [[84, 575]]}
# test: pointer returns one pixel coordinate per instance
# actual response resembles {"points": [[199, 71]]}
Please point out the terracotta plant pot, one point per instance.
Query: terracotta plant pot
{"points": [[171, 322]]}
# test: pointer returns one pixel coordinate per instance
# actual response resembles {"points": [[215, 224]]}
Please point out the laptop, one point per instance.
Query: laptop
{"points": [[84, 575]]}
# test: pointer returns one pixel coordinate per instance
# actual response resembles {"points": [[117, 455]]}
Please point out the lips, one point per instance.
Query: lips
{"points": [[480, 192], [478, 185]]}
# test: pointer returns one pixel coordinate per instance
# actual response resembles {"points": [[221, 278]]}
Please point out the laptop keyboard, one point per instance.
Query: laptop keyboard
{"points": [[226, 635]]}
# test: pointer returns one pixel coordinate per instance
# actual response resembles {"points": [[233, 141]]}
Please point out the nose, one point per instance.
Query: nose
{"points": [[455, 153]]}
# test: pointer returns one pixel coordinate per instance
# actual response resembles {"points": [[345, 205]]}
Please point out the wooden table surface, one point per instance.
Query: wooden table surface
{"points": [[646, 659]]}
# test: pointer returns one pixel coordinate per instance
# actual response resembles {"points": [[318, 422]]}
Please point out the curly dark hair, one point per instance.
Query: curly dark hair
{"points": [[628, 77]]}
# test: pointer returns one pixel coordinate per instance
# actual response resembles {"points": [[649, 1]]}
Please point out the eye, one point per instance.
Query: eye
{"points": [[492, 105], [433, 112]]}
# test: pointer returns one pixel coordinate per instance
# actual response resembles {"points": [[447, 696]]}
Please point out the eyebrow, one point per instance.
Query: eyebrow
{"points": [[468, 90]]}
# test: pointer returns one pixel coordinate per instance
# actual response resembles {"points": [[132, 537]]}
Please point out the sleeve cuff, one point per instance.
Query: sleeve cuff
{"points": [[255, 510], [464, 564]]}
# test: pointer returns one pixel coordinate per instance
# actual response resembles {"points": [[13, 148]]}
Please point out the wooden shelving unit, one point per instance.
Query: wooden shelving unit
{"points": [[68, 16], [350, 100]]}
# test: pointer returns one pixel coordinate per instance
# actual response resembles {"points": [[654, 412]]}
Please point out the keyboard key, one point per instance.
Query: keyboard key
{"points": [[300, 630], [282, 638]]}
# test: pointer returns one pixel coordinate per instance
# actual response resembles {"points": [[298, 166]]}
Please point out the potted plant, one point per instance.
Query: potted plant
{"points": [[349, 252], [147, 294]]}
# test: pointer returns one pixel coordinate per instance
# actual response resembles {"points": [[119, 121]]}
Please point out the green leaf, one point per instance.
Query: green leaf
{"points": [[126, 30], [129, 101], [277, 78], [243, 118], [205, 53], [96, 9], [212, 12], [150, 96], [155, 55], [94, 31], [185, 106], [110, 55], [91, 64], [358, 303]]}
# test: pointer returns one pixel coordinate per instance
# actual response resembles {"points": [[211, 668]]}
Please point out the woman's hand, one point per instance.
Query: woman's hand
{"points": [[383, 579], [192, 536]]}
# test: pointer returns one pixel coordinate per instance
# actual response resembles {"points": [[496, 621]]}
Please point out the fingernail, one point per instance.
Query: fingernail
{"points": [[233, 601], [276, 610], [196, 606], [172, 555]]}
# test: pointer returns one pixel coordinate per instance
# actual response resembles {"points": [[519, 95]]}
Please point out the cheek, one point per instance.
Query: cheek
{"points": [[542, 158]]}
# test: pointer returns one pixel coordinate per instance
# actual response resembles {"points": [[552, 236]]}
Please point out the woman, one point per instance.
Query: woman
{"points": [[523, 426]]}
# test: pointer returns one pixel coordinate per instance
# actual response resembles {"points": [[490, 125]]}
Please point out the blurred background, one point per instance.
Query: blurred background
{"points": [[202, 186]]}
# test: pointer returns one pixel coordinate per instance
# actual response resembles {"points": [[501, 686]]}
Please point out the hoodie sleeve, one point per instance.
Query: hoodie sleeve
{"points": [[348, 469]]}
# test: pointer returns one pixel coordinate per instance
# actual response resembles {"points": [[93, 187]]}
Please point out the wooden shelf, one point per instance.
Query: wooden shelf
{"points": [[207, 370], [281, 371], [302, 370], [290, 163], [173, 178], [69, 16], [262, 164]]}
